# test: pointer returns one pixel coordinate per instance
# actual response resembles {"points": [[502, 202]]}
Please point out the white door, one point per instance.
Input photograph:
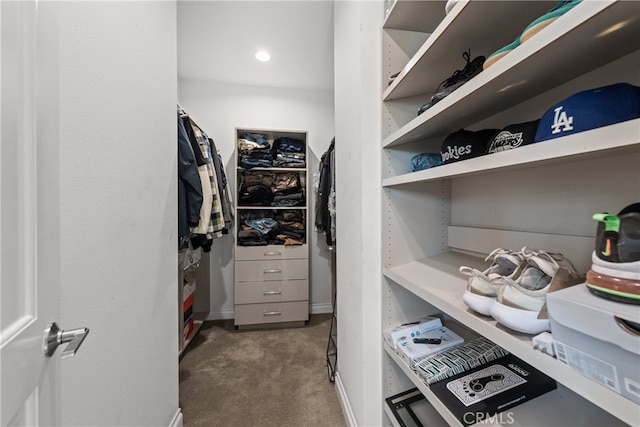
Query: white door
{"points": [[28, 212]]}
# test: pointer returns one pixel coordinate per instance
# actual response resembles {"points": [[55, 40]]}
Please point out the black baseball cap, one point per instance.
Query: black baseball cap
{"points": [[465, 144], [513, 136]]}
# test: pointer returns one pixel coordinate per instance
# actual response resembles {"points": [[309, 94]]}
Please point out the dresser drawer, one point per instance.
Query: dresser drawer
{"points": [[244, 253], [263, 271], [273, 291], [252, 314]]}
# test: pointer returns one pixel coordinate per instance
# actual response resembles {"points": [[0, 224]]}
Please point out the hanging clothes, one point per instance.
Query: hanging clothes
{"points": [[326, 197], [215, 216], [223, 188], [190, 197]]}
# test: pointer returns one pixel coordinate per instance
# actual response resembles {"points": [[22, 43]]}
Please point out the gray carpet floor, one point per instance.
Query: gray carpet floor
{"points": [[259, 378]]}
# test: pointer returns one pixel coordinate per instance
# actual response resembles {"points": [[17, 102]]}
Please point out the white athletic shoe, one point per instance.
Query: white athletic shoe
{"points": [[520, 301], [482, 286]]}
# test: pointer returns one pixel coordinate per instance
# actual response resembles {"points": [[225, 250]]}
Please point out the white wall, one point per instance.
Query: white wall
{"points": [[358, 155], [118, 184], [218, 108]]}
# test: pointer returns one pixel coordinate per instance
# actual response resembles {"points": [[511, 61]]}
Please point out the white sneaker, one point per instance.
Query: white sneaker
{"points": [[483, 286], [520, 301]]}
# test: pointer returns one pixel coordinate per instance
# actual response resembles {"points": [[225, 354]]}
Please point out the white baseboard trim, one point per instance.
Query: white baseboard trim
{"points": [[177, 419], [349, 417], [322, 308], [224, 314]]}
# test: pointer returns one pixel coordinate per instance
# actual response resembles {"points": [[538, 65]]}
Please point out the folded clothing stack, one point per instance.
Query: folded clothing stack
{"points": [[254, 151], [287, 190], [288, 153], [254, 188], [266, 188], [267, 227]]}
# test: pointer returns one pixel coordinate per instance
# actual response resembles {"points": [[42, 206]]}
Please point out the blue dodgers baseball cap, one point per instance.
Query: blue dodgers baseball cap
{"points": [[590, 109]]}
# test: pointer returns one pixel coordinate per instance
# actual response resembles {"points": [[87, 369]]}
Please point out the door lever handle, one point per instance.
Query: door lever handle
{"points": [[54, 337]]}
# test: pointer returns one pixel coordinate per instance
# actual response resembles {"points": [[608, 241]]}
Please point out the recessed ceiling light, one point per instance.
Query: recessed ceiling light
{"points": [[263, 56]]}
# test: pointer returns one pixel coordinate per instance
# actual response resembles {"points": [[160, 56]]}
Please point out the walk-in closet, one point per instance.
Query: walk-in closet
{"points": [[270, 267], [320, 213]]}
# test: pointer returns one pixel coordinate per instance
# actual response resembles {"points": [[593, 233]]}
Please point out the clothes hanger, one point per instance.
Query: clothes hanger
{"points": [[182, 112]]}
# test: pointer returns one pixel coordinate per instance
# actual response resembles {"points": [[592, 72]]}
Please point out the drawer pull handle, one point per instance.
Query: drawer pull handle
{"points": [[273, 271], [272, 313], [272, 253], [272, 292]]}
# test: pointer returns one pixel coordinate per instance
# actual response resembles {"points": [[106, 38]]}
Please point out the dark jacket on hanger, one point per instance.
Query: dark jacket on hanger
{"points": [[323, 221], [189, 185]]}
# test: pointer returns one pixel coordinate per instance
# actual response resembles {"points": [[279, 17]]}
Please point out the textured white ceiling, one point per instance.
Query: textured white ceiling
{"points": [[217, 41]]}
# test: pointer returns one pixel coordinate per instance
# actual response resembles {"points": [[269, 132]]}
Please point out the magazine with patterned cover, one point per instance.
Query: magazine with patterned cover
{"points": [[458, 359], [491, 389]]}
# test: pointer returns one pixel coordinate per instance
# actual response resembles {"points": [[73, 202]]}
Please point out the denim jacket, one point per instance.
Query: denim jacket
{"points": [[189, 185]]}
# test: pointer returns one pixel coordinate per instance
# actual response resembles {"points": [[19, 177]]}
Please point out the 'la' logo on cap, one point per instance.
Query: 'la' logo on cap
{"points": [[561, 120]]}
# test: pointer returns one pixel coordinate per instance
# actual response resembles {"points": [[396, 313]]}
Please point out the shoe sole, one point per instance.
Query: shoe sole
{"points": [[478, 303], [523, 37], [614, 288], [493, 59], [498, 54], [622, 270], [519, 320]]}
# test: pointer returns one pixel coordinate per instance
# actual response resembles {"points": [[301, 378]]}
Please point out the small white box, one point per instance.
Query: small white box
{"points": [[410, 351], [410, 330]]}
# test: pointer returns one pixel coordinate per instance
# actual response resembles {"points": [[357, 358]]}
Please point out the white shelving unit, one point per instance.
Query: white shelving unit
{"points": [[542, 195], [271, 284], [526, 71], [590, 145], [188, 281]]}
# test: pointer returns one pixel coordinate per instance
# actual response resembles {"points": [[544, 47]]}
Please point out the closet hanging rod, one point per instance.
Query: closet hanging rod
{"points": [[184, 114]]}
